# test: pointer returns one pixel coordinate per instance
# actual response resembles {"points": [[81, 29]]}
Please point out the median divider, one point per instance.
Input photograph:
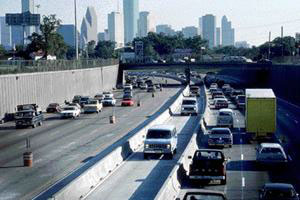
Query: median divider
{"points": [[172, 186], [85, 183]]}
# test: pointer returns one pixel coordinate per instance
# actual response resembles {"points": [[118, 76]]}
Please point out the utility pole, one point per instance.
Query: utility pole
{"points": [[75, 31], [269, 52]]}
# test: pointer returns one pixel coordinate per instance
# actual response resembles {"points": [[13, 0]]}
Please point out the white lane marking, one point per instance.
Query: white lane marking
{"points": [[241, 140], [242, 156], [287, 114], [243, 182], [296, 121]]}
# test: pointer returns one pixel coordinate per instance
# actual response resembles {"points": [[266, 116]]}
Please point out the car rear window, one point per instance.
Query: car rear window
{"points": [[154, 134], [225, 114], [208, 155], [221, 132], [188, 102], [279, 193], [204, 196], [271, 150]]}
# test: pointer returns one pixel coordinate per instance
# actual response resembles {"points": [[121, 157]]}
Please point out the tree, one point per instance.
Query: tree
{"points": [[2, 50], [105, 49], [50, 42]]}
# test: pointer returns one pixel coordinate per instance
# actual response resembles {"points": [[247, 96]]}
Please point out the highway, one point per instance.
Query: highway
{"points": [[61, 146], [142, 179]]}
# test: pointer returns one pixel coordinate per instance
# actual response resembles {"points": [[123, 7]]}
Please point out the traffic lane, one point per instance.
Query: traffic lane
{"points": [[72, 146], [140, 178], [51, 131]]}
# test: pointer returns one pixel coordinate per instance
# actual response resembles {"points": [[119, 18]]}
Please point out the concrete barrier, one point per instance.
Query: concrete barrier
{"points": [[95, 175]]}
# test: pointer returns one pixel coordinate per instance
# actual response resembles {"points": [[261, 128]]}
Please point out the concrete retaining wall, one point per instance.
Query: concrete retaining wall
{"points": [[46, 87]]}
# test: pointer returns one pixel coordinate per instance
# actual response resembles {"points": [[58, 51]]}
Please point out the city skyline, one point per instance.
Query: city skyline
{"points": [[262, 19]]}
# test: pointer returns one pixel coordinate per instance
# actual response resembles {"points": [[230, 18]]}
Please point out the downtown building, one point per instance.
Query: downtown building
{"points": [[131, 17], [228, 38], [115, 29], [208, 27], [190, 31], [144, 24], [89, 28], [67, 31], [27, 6], [165, 29], [5, 34]]}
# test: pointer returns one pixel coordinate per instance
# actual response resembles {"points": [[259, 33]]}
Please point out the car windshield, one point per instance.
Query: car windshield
{"points": [[225, 114], [203, 197], [93, 102], [127, 99], [200, 155], [24, 114], [69, 108], [84, 99], [188, 102], [155, 134], [271, 150], [220, 132], [107, 98], [279, 193], [52, 105]]}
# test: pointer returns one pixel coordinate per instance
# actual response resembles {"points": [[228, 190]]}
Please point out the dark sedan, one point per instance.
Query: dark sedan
{"points": [[53, 108]]}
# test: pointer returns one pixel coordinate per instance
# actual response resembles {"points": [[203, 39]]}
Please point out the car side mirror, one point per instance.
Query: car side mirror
{"points": [[189, 157]]}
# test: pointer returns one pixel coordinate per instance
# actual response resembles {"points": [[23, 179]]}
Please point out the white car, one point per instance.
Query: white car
{"points": [[270, 153], [128, 86], [109, 101], [108, 94], [70, 112], [93, 106], [225, 118], [189, 106], [99, 97]]}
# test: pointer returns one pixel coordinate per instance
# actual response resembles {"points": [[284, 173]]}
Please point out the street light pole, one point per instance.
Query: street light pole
{"points": [[75, 31]]}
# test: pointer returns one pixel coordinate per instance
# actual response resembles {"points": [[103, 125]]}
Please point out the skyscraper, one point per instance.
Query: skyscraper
{"points": [[115, 28], [227, 32], [131, 16], [144, 24], [28, 6], [200, 27], [5, 34], [189, 31], [89, 27], [218, 36], [16, 35], [68, 33], [209, 29]]}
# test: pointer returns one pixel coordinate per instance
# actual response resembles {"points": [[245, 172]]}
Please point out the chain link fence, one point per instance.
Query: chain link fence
{"points": [[29, 66]]}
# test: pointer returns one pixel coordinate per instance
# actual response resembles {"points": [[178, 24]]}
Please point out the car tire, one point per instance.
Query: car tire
{"points": [[145, 156]]}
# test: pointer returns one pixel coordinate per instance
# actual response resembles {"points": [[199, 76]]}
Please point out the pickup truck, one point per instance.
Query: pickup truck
{"points": [[207, 165], [194, 91], [28, 115]]}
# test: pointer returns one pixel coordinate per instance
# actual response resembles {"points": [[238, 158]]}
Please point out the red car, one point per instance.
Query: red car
{"points": [[127, 102]]}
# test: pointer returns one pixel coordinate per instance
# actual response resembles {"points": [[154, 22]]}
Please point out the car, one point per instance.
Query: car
{"points": [[278, 191], [217, 93], [70, 112], [240, 101], [127, 101], [235, 93], [161, 139], [220, 137], [228, 91], [194, 91], [150, 89], [189, 106], [190, 194], [76, 99], [53, 108], [225, 86], [99, 97], [130, 86], [271, 154], [214, 85], [92, 106], [28, 115], [207, 165], [157, 86], [84, 100], [108, 94], [143, 86], [220, 103], [225, 117], [75, 104], [213, 89], [109, 101]]}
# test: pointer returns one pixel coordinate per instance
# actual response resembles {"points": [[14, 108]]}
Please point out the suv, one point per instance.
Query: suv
{"points": [[278, 191], [161, 139], [270, 153], [220, 137], [28, 115], [208, 164], [225, 117], [189, 106]]}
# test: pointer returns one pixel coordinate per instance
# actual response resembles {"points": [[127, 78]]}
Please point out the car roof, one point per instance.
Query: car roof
{"points": [[166, 127], [270, 145], [278, 185], [226, 110], [201, 191], [216, 129], [190, 98]]}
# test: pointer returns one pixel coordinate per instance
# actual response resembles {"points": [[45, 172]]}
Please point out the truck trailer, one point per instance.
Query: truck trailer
{"points": [[260, 113]]}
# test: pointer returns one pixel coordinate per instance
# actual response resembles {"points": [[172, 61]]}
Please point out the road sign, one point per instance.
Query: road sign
{"points": [[23, 19]]}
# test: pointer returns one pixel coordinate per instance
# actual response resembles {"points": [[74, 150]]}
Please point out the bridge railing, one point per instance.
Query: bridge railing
{"points": [[30, 66]]}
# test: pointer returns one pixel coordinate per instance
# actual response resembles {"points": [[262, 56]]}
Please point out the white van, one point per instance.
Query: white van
{"points": [[225, 117], [269, 153], [161, 139]]}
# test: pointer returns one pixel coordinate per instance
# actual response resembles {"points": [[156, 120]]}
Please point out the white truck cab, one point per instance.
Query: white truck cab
{"points": [[189, 106], [161, 139]]}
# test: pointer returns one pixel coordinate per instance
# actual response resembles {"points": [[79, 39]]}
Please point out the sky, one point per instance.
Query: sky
{"points": [[252, 19]]}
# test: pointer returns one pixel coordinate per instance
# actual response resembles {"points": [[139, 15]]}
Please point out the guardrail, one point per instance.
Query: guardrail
{"points": [[172, 186], [82, 185], [30, 66]]}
